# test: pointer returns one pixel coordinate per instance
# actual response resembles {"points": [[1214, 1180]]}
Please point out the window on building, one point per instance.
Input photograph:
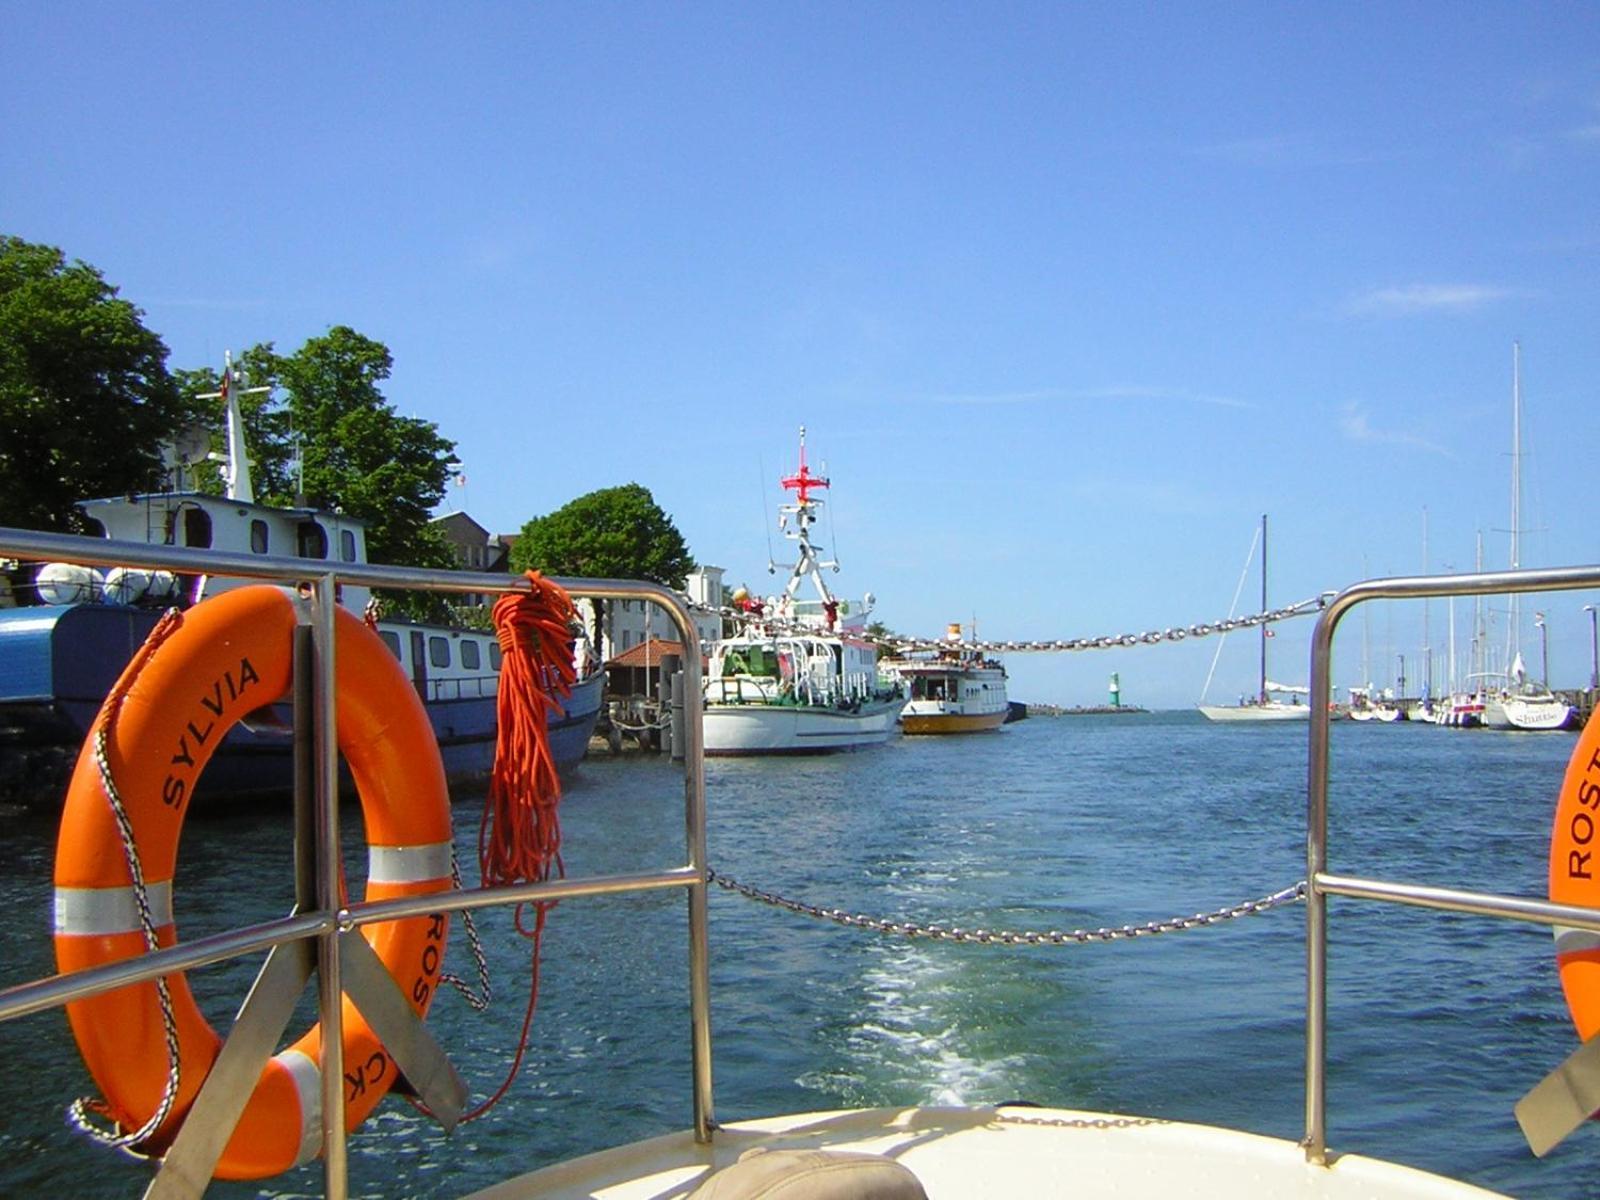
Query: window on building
{"points": [[439, 651]]}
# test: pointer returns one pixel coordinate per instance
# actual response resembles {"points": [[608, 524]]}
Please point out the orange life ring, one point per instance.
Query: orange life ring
{"points": [[230, 655], [1575, 877]]}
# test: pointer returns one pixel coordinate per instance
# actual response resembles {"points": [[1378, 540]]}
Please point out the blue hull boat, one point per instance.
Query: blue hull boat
{"points": [[58, 662]]}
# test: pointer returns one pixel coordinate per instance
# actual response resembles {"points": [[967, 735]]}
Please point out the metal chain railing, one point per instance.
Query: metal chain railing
{"points": [[1150, 637], [1005, 937]]}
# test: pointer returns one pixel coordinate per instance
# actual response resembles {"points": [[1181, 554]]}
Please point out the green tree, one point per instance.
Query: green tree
{"points": [[613, 533], [85, 397], [338, 436]]}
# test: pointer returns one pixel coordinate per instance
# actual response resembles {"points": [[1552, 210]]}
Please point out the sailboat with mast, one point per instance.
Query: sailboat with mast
{"points": [[1265, 704], [1522, 703]]}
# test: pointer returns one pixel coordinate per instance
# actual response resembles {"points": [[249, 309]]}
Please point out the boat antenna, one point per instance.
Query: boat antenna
{"points": [[1237, 592], [761, 494], [833, 541]]}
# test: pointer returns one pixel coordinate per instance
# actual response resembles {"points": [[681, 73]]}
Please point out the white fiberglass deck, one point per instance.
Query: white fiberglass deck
{"points": [[1009, 1152]]}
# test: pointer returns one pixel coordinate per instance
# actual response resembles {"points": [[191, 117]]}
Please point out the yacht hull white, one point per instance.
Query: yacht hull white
{"points": [[1536, 714], [1271, 710]]}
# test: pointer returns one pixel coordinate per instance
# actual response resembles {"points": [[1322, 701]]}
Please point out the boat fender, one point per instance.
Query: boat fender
{"points": [[68, 583], [1575, 877], [762, 1174], [173, 705]]}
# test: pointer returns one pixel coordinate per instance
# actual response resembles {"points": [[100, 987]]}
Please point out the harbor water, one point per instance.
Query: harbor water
{"points": [[1438, 1024]]}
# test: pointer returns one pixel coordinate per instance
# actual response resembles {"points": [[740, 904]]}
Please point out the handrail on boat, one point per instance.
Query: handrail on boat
{"points": [[1320, 883], [325, 919]]}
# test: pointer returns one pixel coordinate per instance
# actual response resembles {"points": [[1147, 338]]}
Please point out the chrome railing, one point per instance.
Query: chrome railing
{"points": [[326, 919], [1321, 883]]}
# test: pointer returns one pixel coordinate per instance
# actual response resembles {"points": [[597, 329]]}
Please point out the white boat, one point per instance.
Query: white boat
{"points": [[1265, 705], [951, 690], [1264, 708], [1526, 704], [1364, 706], [1522, 703], [798, 677]]}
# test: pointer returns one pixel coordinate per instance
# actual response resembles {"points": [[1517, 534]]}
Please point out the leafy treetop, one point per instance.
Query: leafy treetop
{"points": [[85, 398], [613, 533]]}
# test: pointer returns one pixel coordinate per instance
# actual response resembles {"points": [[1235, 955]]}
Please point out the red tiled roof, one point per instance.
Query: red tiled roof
{"points": [[646, 654]]}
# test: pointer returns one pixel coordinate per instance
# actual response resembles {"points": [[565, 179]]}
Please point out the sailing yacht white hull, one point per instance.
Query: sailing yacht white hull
{"points": [[1536, 713], [1271, 710]]}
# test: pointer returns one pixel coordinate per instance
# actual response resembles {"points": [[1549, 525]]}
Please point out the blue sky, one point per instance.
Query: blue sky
{"points": [[1067, 295]]}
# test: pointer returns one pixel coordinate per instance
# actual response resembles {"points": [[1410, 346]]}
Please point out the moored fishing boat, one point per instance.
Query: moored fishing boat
{"points": [[951, 690], [798, 677]]}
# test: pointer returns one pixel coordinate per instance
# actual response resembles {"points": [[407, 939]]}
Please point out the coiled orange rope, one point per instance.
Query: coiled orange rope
{"points": [[519, 840]]}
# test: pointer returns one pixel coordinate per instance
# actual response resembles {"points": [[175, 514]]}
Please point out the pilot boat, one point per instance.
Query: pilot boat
{"points": [[799, 676]]}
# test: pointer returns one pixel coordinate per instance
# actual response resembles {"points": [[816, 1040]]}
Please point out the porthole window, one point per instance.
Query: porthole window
{"points": [[347, 545], [471, 657], [494, 656], [439, 651], [258, 536], [391, 639]]}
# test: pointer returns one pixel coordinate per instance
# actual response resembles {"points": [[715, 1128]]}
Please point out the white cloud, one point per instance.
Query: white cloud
{"points": [[1354, 425], [1418, 299]]}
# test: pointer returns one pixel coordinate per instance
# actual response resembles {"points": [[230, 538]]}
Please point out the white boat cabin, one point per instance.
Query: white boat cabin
{"points": [[792, 669]]}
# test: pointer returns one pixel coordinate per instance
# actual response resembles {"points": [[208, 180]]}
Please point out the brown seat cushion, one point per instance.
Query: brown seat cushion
{"points": [[811, 1175]]}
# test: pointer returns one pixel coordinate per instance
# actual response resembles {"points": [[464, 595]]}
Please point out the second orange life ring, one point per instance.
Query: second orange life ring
{"points": [[230, 655], [1575, 878]]}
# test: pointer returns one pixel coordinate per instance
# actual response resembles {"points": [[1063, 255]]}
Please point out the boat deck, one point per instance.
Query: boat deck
{"points": [[1010, 1151]]}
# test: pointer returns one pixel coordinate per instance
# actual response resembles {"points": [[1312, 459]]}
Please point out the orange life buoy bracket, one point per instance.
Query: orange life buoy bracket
{"points": [[1575, 877], [230, 655]]}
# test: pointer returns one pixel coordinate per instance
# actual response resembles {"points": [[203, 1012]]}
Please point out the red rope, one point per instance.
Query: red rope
{"points": [[519, 840]]}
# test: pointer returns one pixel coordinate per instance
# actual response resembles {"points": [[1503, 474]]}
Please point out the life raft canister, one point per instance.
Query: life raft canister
{"points": [[1575, 877], [230, 655]]}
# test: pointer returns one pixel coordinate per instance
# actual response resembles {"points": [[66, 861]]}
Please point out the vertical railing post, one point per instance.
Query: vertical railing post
{"points": [[699, 907], [1321, 700], [329, 983]]}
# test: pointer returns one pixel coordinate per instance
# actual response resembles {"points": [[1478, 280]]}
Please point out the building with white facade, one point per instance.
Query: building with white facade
{"points": [[630, 623]]}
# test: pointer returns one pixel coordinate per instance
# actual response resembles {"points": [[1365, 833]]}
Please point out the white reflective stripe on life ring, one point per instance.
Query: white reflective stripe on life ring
{"points": [[408, 864], [103, 912], [1575, 941], [307, 1078]]}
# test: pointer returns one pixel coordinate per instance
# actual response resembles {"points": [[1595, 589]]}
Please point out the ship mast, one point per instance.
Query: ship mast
{"points": [[236, 468], [1514, 634], [804, 511]]}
